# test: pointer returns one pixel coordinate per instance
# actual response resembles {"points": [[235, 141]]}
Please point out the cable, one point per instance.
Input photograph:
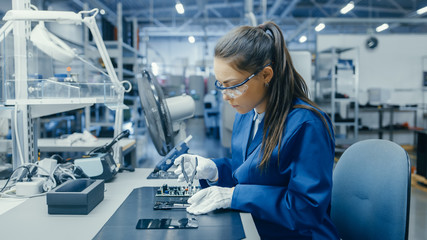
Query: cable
{"points": [[63, 172], [104, 73], [46, 171], [29, 172], [108, 147], [68, 174], [91, 65], [6, 194], [6, 184], [20, 197], [52, 174], [12, 175], [17, 137], [37, 166], [12, 190], [66, 171]]}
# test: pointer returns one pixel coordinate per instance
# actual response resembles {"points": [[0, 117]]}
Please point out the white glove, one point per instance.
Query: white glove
{"points": [[209, 199], [206, 168]]}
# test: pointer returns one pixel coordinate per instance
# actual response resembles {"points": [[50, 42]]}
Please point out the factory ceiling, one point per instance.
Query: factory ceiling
{"points": [[296, 17], [212, 18]]}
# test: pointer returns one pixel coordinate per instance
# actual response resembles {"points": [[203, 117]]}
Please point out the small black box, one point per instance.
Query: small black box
{"points": [[78, 196]]}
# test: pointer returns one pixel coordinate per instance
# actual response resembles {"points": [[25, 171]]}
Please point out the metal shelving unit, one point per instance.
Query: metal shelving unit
{"points": [[386, 114], [336, 90], [31, 96]]}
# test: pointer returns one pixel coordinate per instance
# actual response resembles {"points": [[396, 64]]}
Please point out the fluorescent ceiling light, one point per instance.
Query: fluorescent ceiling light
{"points": [[347, 8], [421, 11], [319, 27], [382, 27], [179, 7], [302, 39], [191, 39]]}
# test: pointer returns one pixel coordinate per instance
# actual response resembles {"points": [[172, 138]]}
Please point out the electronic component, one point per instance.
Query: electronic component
{"points": [[162, 175], [49, 164], [169, 205], [167, 223], [108, 147], [33, 187], [173, 197], [99, 163]]}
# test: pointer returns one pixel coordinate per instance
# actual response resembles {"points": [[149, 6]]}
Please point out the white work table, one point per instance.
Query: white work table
{"points": [[31, 220]]}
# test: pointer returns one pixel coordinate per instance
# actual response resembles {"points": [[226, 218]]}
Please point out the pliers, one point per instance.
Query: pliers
{"points": [[189, 180]]}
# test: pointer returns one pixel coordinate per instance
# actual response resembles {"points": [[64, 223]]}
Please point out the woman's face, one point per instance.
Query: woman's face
{"points": [[255, 94]]}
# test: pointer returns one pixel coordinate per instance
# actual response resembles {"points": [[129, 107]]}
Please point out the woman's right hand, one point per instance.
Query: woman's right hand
{"points": [[206, 168]]}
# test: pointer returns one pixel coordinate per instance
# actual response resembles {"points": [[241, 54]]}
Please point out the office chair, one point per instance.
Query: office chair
{"points": [[371, 191]]}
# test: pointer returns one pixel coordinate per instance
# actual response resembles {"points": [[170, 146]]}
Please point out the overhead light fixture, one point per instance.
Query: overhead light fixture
{"points": [[302, 39], [179, 7], [319, 27], [347, 8], [191, 39], [421, 11], [102, 12], [382, 27]]}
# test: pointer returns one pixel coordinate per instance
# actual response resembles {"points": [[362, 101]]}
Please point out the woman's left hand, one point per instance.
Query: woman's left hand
{"points": [[209, 199]]}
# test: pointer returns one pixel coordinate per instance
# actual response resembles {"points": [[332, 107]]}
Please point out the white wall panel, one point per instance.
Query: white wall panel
{"points": [[395, 64]]}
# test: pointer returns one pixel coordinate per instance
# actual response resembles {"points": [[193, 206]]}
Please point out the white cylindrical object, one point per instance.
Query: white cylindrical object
{"points": [[196, 89], [66, 17], [181, 107], [51, 44]]}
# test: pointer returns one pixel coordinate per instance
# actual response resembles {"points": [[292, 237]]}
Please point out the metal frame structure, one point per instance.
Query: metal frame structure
{"points": [[336, 104], [296, 17], [23, 136]]}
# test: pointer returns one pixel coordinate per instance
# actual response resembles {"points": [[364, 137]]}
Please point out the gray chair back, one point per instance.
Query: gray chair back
{"points": [[371, 191]]}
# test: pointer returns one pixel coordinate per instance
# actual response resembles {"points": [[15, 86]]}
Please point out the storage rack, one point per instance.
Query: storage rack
{"points": [[34, 98], [123, 54], [337, 70]]}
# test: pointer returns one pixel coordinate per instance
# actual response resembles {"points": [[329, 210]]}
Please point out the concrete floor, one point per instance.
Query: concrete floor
{"points": [[418, 215], [207, 146]]}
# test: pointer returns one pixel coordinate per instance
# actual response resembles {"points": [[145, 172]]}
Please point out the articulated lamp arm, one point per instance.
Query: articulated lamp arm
{"points": [[5, 30], [91, 24]]}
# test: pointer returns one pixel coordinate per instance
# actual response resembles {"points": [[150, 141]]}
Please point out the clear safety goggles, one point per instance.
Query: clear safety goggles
{"points": [[238, 89]]}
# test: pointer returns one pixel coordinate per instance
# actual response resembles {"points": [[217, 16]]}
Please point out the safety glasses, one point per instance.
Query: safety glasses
{"points": [[238, 89]]}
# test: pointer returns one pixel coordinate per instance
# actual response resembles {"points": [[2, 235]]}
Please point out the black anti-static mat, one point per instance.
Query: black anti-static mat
{"points": [[220, 224]]}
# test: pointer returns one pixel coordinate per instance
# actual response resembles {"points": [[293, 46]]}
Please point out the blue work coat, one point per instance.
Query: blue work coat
{"points": [[291, 199]]}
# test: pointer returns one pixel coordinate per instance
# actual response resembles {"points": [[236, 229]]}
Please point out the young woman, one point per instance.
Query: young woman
{"points": [[282, 144]]}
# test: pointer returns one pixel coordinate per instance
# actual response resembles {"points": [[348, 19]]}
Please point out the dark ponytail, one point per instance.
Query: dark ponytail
{"points": [[250, 48]]}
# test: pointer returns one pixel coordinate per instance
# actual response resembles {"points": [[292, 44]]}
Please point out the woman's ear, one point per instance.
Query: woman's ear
{"points": [[267, 74]]}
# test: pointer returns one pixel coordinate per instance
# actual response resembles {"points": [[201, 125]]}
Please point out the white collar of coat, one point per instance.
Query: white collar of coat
{"points": [[259, 116]]}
